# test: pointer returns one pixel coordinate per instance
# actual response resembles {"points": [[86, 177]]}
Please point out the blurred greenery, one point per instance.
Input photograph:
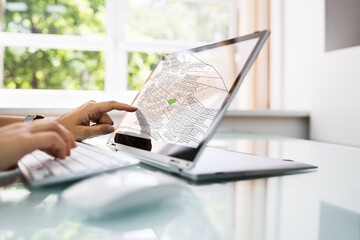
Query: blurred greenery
{"points": [[81, 17], [177, 20], [28, 68], [140, 65]]}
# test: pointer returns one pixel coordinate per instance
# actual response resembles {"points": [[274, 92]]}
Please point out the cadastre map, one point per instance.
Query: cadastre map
{"points": [[176, 105]]}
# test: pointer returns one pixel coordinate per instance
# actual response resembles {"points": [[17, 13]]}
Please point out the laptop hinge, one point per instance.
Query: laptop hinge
{"points": [[112, 146], [173, 165]]}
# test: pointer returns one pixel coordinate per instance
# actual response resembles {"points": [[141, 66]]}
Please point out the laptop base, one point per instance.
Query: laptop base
{"points": [[217, 164]]}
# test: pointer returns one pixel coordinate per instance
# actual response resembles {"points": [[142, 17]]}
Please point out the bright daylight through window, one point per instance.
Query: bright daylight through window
{"points": [[36, 68], [99, 48]]}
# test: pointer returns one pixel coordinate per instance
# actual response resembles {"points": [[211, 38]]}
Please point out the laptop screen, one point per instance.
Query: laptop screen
{"points": [[183, 97]]}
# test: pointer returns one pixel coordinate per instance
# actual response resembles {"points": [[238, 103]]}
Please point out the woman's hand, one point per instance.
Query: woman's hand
{"points": [[19, 139], [78, 120]]}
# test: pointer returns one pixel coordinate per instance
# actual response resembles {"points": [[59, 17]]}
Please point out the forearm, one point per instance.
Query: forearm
{"points": [[5, 120]]}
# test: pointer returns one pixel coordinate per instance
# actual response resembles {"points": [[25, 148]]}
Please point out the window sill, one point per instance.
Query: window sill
{"points": [[283, 123], [294, 124], [267, 113], [229, 113]]}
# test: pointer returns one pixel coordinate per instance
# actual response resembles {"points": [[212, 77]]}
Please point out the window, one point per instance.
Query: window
{"points": [[61, 53], [36, 68]]}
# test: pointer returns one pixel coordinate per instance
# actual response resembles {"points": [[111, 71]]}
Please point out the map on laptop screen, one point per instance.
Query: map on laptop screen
{"points": [[181, 98]]}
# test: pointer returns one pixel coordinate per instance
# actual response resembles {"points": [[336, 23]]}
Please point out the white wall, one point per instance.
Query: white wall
{"points": [[326, 83]]}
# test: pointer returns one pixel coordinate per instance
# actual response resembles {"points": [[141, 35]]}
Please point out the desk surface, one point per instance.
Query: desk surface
{"points": [[319, 205]]}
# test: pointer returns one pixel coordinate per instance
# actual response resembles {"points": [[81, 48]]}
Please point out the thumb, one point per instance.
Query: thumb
{"points": [[96, 130]]}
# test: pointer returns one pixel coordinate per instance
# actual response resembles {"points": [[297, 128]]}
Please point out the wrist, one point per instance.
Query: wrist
{"points": [[33, 117], [5, 120]]}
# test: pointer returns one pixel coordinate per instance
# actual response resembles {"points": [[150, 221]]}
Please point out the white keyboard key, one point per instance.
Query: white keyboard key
{"points": [[101, 159], [86, 161], [41, 156], [56, 168], [71, 164], [59, 170], [30, 162], [40, 173]]}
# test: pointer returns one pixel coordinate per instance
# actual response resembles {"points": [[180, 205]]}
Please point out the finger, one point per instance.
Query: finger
{"points": [[70, 139], [113, 105], [95, 130], [105, 119], [53, 126], [52, 143], [45, 125]]}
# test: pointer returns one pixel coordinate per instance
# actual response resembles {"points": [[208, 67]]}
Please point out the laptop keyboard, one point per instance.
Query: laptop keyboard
{"points": [[40, 168]]}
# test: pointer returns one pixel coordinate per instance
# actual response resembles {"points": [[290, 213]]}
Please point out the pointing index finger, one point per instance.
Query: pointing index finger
{"points": [[113, 105]]}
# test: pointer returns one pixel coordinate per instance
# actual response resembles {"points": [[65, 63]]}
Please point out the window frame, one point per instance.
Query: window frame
{"points": [[116, 48]]}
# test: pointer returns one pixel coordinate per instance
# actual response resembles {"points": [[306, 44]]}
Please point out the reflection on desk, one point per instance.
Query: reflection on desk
{"points": [[317, 205]]}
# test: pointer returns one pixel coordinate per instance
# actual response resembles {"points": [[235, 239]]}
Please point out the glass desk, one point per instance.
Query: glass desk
{"points": [[324, 204]]}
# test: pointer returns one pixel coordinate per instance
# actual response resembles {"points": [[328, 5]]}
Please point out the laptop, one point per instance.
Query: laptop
{"points": [[179, 107], [181, 104]]}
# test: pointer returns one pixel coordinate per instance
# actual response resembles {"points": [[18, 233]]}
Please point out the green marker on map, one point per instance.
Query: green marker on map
{"points": [[171, 101]]}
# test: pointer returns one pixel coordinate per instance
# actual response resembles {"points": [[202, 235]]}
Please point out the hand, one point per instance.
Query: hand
{"points": [[19, 139], [78, 121]]}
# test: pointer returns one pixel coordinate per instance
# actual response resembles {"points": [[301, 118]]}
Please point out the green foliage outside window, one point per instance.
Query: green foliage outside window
{"points": [[27, 68], [80, 17], [140, 66]]}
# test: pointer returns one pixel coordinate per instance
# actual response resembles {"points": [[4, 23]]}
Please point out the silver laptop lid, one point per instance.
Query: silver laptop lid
{"points": [[184, 99]]}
